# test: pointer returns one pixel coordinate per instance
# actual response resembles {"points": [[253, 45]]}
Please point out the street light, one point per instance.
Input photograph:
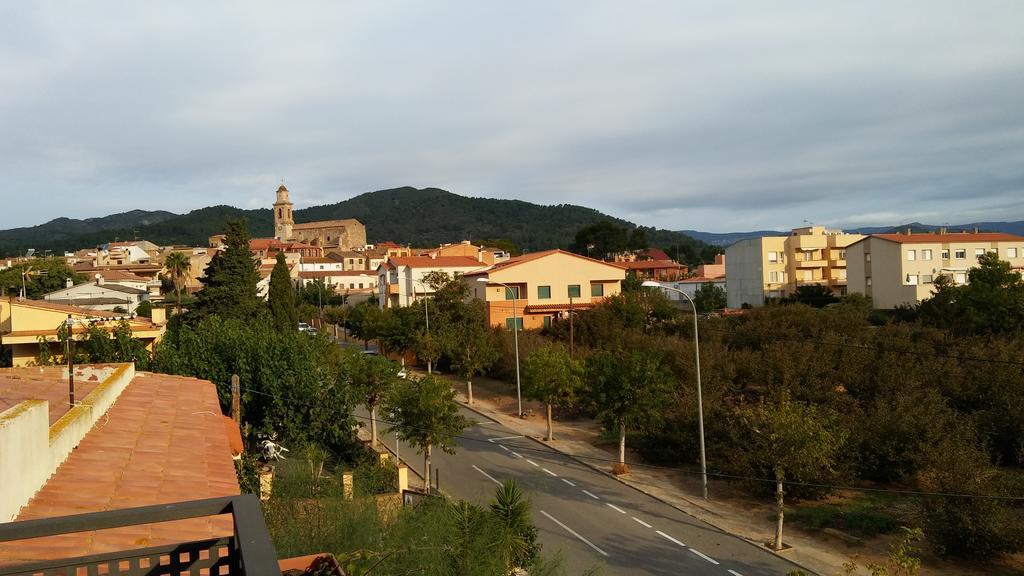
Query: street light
{"points": [[700, 400], [426, 313], [515, 336]]}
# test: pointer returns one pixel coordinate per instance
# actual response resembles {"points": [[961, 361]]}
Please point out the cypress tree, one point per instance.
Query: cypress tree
{"points": [[283, 311], [229, 286]]}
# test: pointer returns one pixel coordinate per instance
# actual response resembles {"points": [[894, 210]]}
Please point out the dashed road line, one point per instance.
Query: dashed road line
{"points": [[574, 533], [641, 522], [489, 477], [704, 556], [616, 508], [671, 539], [569, 482], [592, 495], [503, 447], [532, 462], [734, 573], [516, 454], [550, 472]]}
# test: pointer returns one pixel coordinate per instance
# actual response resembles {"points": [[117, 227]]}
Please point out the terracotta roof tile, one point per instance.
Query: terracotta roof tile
{"points": [[947, 238]]}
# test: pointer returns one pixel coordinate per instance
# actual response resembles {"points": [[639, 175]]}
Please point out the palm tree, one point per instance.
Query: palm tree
{"points": [[517, 537], [178, 267]]}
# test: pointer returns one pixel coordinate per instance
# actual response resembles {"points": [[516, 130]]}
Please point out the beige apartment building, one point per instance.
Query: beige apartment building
{"points": [[898, 269], [773, 267], [542, 286]]}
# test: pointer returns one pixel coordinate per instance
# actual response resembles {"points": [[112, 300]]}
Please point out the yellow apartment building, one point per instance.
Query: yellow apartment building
{"points": [[897, 269], [773, 267], [542, 286]]}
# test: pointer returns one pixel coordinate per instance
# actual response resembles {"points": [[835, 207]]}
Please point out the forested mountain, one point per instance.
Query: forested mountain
{"points": [[421, 217]]}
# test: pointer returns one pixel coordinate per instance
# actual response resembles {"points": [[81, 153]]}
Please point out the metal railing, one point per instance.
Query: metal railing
{"points": [[248, 551]]}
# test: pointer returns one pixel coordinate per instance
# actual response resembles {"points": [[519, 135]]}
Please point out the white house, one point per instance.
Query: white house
{"points": [[400, 279], [100, 295]]}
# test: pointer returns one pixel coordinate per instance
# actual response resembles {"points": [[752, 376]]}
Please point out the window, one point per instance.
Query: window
{"points": [[597, 290], [773, 256], [547, 321], [351, 285], [867, 280], [808, 275], [867, 256], [512, 293], [1011, 252], [945, 254], [960, 254], [808, 255], [842, 273], [773, 277], [518, 323], [360, 284], [960, 278], [926, 254], [979, 252], [911, 279], [927, 279], [574, 291], [543, 292], [911, 254], [842, 254]]}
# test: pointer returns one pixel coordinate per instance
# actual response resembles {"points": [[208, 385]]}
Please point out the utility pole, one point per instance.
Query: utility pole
{"points": [[572, 341], [70, 352], [236, 413]]}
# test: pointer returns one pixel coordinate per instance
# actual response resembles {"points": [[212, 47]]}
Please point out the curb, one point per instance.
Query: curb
{"points": [[578, 460]]}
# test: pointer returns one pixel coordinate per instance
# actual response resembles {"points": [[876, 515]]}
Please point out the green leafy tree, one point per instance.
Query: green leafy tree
{"points": [[600, 240], [553, 377], [229, 286], [796, 440], [426, 415], [473, 349], [814, 295], [39, 276], [281, 296], [517, 538], [365, 322], [630, 388], [178, 267], [709, 297], [992, 302], [373, 378], [638, 239], [144, 309]]}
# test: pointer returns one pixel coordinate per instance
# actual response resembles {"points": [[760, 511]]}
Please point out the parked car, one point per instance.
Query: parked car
{"points": [[304, 327]]}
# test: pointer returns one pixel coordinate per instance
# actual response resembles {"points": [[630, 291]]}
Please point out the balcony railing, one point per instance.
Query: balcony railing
{"points": [[248, 551]]}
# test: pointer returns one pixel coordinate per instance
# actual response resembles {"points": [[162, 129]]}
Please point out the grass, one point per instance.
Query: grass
{"points": [[863, 516]]}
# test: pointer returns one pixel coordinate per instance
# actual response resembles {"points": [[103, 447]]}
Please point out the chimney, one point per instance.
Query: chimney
{"points": [[910, 231], [942, 230], [975, 229], [433, 255], [719, 259]]}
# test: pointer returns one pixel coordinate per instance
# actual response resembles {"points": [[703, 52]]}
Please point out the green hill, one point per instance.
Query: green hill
{"points": [[421, 217]]}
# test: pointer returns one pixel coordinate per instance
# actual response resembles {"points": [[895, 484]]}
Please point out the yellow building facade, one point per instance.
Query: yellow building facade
{"points": [[772, 267]]}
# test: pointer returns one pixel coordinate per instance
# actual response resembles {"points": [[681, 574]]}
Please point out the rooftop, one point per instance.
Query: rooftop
{"points": [[439, 262], [536, 256], [926, 238], [325, 224], [47, 383]]}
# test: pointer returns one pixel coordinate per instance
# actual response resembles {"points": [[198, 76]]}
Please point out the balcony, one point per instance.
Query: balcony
{"points": [[247, 551], [817, 263]]}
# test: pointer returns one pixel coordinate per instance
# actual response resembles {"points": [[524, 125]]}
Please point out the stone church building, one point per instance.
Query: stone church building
{"points": [[341, 234]]}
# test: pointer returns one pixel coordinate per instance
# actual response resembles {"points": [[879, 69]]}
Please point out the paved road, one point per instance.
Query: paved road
{"points": [[591, 518]]}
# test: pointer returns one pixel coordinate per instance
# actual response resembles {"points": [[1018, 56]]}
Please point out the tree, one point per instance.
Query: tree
{"points": [[600, 240], [709, 297], [630, 387], [796, 440], [38, 276], [364, 321], [229, 286], [281, 296], [517, 538], [473, 350], [426, 415], [551, 376], [178, 268], [145, 309], [992, 302], [373, 378], [814, 295], [638, 239]]}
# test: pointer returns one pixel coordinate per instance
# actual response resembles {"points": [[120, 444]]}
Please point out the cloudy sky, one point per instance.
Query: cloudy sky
{"points": [[716, 116]]}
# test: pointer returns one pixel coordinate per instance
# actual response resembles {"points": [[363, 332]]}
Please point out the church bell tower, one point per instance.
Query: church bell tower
{"points": [[283, 215]]}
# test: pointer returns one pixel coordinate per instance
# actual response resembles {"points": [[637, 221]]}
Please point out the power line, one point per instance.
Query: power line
{"points": [[547, 453]]}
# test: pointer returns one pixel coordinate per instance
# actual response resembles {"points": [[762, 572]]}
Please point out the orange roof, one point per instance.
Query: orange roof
{"points": [[163, 441], [439, 262], [330, 273], [325, 224], [947, 238], [648, 264], [44, 305], [45, 383], [535, 256]]}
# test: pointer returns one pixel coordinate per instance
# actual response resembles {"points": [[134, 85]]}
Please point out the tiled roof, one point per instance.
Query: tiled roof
{"points": [[46, 383], [370, 274], [535, 256], [120, 276], [55, 307], [949, 238], [648, 264], [326, 224], [89, 301], [164, 440], [439, 262]]}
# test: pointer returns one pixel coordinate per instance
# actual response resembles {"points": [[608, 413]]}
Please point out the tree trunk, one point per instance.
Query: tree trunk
{"points": [[469, 390], [426, 469], [430, 366], [373, 425], [622, 444], [781, 515], [551, 435]]}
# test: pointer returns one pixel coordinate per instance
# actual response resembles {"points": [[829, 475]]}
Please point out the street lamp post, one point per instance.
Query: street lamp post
{"points": [[515, 337], [426, 314], [700, 400]]}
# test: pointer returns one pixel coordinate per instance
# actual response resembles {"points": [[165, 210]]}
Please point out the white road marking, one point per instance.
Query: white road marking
{"points": [[503, 438], [550, 472], [591, 495], [569, 482], [574, 533], [616, 508], [532, 462], [671, 539], [503, 447], [641, 522], [704, 556], [516, 454], [489, 477], [734, 573]]}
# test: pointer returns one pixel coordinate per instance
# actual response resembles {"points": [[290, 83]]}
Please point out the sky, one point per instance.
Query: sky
{"points": [[715, 116]]}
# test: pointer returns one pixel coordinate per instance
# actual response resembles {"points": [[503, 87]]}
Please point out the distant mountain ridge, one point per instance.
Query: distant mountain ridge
{"points": [[723, 239], [422, 217]]}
